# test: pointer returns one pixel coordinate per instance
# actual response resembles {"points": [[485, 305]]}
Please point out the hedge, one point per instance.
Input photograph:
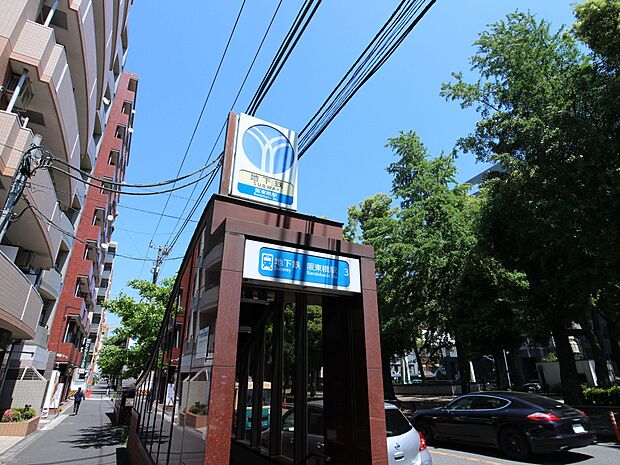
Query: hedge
{"points": [[602, 396]]}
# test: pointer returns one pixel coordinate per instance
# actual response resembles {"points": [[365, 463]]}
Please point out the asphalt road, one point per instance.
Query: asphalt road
{"points": [[600, 454]]}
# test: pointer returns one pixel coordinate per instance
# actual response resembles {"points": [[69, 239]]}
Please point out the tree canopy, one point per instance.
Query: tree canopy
{"points": [[140, 321]]}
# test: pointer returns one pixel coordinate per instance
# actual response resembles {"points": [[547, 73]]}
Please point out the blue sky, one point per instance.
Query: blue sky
{"points": [[175, 51]]}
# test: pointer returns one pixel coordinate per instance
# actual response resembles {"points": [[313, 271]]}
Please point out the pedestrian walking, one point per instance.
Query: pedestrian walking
{"points": [[77, 400]]}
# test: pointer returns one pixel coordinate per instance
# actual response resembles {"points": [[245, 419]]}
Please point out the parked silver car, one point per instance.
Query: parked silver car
{"points": [[405, 445]]}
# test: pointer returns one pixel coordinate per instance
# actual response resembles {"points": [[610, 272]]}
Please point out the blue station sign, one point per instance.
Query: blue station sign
{"points": [[268, 262]]}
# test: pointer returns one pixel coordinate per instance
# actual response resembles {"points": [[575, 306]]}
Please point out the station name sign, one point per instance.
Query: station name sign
{"points": [[264, 167], [274, 263]]}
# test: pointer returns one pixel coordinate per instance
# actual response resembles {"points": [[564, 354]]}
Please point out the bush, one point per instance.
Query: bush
{"points": [[602, 396], [17, 414], [198, 409]]}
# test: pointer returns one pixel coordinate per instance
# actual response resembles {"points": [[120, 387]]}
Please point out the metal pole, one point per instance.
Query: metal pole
{"points": [[507, 370], [50, 15], [17, 91], [17, 187]]}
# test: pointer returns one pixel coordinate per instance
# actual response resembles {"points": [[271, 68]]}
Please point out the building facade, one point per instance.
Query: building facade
{"points": [[61, 65], [77, 321]]}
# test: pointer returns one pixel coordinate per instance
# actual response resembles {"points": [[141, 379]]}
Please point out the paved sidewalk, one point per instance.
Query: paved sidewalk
{"points": [[88, 438]]}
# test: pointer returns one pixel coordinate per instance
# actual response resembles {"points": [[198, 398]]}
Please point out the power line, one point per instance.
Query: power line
{"points": [[381, 48], [288, 44], [132, 185], [204, 106], [118, 204], [118, 191], [30, 184], [304, 16], [41, 215], [247, 74]]}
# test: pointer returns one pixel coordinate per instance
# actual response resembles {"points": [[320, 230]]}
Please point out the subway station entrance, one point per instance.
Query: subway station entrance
{"points": [[269, 352]]}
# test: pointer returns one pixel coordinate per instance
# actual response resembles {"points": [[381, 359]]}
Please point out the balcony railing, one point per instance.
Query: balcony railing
{"points": [[51, 283], [21, 301]]}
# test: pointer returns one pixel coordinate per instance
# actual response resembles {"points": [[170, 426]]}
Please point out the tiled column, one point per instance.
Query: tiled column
{"points": [[221, 398], [373, 373]]}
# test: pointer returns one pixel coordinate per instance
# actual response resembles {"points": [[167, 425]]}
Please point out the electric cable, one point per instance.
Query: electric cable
{"points": [[286, 48], [282, 55], [204, 106], [370, 50], [83, 198], [132, 185], [41, 215], [357, 80], [117, 191]]}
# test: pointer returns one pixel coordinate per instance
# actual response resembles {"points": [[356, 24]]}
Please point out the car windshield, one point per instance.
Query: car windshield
{"points": [[396, 423]]}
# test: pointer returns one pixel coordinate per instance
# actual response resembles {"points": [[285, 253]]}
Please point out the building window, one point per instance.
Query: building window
{"points": [[120, 132]]}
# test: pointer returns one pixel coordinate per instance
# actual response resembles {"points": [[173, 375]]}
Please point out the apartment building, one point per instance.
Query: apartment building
{"points": [[61, 67], [77, 320]]}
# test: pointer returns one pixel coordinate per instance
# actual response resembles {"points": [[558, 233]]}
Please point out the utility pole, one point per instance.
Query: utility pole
{"points": [[27, 165], [162, 252]]}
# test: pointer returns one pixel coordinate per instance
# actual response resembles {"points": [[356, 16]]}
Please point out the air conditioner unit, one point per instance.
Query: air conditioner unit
{"points": [[25, 95]]}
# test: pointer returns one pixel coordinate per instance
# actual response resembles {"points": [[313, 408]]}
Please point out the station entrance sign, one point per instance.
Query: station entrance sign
{"points": [[269, 262], [264, 167]]}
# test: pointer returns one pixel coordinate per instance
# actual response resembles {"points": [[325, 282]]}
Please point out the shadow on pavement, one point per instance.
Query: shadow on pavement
{"points": [[97, 437], [559, 458]]}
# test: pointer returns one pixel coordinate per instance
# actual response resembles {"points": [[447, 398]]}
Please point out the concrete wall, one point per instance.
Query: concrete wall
{"points": [[17, 393]]}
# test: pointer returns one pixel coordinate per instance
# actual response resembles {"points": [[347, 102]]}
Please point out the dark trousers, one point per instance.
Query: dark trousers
{"points": [[76, 406]]}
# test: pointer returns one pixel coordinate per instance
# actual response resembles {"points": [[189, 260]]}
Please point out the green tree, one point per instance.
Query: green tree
{"points": [[113, 357], [421, 248], [140, 321], [553, 213]]}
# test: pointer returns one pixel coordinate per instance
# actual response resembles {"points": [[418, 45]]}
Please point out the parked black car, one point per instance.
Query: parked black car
{"points": [[518, 423]]}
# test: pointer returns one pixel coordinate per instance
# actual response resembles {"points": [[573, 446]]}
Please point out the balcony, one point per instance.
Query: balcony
{"points": [[54, 102], [68, 235], [51, 284], [105, 274], [75, 30], [20, 303], [104, 22]]}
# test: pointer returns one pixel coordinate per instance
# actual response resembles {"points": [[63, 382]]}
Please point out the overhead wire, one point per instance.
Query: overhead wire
{"points": [[204, 106], [360, 76], [131, 185], [118, 191], [281, 57], [370, 49], [286, 48], [83, 198], [42, 216]]}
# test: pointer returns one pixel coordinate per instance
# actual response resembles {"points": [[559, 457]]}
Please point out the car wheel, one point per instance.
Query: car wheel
{"points": [[513, 444], [425, 428]]}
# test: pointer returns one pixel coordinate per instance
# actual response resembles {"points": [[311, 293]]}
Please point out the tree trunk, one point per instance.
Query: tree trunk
{"points": [[615, 351], [388, 386], [463, 364], [571, 389], [517, 372], [418, 360], [600, 361], [500, 370]]}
